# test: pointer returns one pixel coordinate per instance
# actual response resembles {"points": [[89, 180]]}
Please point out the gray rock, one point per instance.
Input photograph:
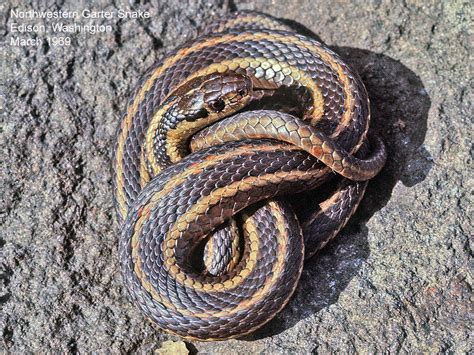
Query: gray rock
{"points": [[397, 277]]}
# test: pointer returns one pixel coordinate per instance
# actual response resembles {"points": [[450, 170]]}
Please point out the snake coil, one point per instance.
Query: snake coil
{"points": [[215, 136]]}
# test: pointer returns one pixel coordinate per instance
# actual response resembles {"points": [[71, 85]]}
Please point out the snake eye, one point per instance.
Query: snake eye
{"points": [[241, 92], [218, 105]]}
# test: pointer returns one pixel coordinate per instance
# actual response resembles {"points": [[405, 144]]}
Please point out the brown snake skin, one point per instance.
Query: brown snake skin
{"points": [[213, 139]]}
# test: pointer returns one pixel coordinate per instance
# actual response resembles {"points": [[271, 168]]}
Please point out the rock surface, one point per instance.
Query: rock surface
{"points": [[397, 277]]}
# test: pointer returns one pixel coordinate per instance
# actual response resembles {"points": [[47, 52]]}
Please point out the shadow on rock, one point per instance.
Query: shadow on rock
{"points": [[399, 110]]}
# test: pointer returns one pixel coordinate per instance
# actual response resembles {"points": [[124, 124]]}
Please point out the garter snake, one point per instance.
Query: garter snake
{"points": [[202, 155]]}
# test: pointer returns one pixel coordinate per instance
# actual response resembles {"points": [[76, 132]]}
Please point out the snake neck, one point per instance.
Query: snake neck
{"points": [[173, 133], [171, 138]]}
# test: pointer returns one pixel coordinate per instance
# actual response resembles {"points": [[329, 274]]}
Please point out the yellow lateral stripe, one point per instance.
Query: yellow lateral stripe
{"points": [[144, 175], [235, 247], [150, 135], [209, 252]]}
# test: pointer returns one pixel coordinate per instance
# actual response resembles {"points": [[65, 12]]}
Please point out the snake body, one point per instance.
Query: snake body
{"points": [[210, 248]]}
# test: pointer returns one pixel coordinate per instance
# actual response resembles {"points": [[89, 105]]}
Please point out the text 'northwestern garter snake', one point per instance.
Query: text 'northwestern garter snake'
{"points": [[213, 139]]}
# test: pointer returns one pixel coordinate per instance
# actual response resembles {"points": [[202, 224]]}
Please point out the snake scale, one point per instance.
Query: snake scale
{"points": [[214, 138]]}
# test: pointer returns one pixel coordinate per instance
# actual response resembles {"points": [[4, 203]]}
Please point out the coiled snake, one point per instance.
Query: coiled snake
{"points": [[213, 139]]}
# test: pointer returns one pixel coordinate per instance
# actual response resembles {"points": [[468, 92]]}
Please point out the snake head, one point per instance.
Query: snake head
{"points": [[226, 94], [214, 96], [196, 104]]}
